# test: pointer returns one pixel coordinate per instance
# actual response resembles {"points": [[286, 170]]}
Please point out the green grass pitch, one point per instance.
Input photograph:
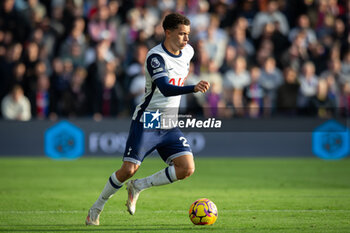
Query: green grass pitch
{"points": [[252, 195]]}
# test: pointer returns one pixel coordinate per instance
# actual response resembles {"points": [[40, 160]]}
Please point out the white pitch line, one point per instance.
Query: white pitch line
{"points": [[169, 211]]}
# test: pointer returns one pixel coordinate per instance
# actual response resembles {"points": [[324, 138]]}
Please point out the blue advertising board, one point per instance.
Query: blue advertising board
{"points": [[330, 141], [64, 141]]}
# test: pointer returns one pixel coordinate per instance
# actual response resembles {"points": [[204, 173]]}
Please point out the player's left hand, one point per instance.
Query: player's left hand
{"points": [[202, 86]]}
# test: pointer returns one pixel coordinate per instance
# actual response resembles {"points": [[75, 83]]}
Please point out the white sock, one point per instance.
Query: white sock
{"points": [[165, 176], [111, 187]]}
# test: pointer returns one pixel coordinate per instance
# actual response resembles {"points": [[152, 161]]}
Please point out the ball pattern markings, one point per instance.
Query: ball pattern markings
{"points": [[203, 212]]}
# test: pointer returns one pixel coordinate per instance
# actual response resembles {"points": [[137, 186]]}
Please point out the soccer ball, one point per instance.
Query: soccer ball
{"points": [[203, 212]]}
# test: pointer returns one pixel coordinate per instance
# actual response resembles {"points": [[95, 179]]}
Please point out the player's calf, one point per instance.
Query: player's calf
{"points": [[184, 166]]}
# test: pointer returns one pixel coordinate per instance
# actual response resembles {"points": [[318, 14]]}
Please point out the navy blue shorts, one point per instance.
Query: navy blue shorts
{"points": [[170, 143]]}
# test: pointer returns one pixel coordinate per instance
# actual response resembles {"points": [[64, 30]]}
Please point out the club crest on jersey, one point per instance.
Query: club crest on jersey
{"points": [[155, 63]]}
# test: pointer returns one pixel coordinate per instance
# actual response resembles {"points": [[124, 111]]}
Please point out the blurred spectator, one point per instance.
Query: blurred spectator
{"points": [[253, 109], [60, 80], [339, 31], [114, 17], [15, 106], [242, 23], [212, 75], [135, 67], [271, 15], [215, 105], [157, 36], [238, 76], [308, 86], [31, 58], [34, 12], [287, 93], [19, 74], [215, 41], [271, 79], [297, 53], [230, 55], [318, 55], [247, 9], [235, 82], [137, 89], [31, 81], [345, 67], [328, 10], [320, 104], [101, 28], [148, 19], [254, 93], [271, 43], [93, 6], [128, 34], [200, 19], [41, 97], [75, 99], [345, 100], [335, 69], [334, 53], [264, 52], [334, 90], [303, 25], [195, 102], [56, 27], [75, 45], [98, 68], [72, 9], [107, 101], [7, 63], [201, 58], [239, 40], [14, 21], [226, 10], [303, 7], [166, 5]]}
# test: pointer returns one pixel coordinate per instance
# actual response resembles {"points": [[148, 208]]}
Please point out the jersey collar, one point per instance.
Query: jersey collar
{"points": [[169, 53]]}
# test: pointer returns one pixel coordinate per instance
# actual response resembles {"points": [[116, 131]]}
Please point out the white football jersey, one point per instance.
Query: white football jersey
{"points": [[159, 63]]}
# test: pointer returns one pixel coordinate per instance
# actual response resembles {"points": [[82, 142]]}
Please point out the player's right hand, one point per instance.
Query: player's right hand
{"points": [[202, 86]]}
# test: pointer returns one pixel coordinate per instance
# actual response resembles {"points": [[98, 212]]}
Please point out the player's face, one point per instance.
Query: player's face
{"points": [[179, 37]]}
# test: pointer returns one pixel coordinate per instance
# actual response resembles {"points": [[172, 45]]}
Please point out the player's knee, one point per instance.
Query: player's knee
{"points": [[185, 172], [128, 170], [190, 171]]}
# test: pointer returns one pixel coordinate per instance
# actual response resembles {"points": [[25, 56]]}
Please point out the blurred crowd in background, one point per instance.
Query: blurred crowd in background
{"points": [[263, 58]]}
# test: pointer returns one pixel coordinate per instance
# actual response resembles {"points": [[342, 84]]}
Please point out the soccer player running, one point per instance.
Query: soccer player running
{"points": [[166, 67]]}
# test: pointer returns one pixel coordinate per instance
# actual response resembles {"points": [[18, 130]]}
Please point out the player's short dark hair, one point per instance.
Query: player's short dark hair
{"points": [[173, 20]]}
